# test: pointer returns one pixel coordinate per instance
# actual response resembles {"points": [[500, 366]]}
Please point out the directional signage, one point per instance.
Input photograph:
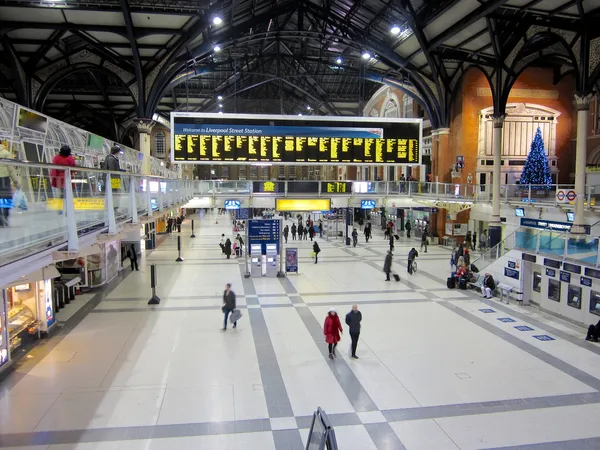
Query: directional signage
{"points": [[263, 232]]}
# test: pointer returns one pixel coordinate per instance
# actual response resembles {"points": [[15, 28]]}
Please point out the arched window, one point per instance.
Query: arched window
{"points": [[160, 144]]}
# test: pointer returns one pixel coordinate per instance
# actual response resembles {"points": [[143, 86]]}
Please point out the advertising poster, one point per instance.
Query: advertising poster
{"points": [[48, 303], [112, 260], [291, 260]]}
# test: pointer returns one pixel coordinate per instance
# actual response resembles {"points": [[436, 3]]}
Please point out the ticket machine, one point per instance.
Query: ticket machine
{"points": [[271, 267], [255, 260]]}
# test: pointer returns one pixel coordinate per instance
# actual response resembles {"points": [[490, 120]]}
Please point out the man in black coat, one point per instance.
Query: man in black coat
{"points": [[593, 332], [228, 304], [387, 265], [353, 319]]}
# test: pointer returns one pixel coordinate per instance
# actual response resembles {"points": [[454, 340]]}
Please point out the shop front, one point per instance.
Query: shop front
{"points": [[26, 312]]}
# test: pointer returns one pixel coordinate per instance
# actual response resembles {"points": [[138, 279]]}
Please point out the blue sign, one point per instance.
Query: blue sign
{"points": [[263, 232], [6, 203], [506, 319], [511, 273], [523, 328], [544, 337], [487, 310], [368, 204], [548, 224], [565, 276], [291, 260], [550, 272], [232, 204], [586, 281], [512, 264], [276, 130], [242, 214]]}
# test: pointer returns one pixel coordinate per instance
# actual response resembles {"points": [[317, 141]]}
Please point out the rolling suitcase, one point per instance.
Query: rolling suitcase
{"points": [[397, 237], [451, 283], [396, 277], [462, 283]]}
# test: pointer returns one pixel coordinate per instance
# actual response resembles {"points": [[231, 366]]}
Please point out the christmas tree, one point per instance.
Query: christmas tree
{"points": [[537, 171]]}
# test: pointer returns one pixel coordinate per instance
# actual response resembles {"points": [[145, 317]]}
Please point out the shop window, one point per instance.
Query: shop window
{"points": [[537, 282], [554, 290], [160, 144], [574, 296], [595, 302]]}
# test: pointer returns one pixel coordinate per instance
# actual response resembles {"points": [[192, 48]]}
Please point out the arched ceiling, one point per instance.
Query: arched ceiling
{"points": [[124, 59]]}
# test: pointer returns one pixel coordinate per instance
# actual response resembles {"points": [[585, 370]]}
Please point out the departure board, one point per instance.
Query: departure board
{"points": [[206, 138]]}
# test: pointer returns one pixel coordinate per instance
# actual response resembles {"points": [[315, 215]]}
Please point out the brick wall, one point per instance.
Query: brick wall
{"points": [[464, 127]]}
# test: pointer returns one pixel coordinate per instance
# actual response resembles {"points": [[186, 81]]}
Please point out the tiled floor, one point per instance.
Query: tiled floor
{"points": [[436, 371]]}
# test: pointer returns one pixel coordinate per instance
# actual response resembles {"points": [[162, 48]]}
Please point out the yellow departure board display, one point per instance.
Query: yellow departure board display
{"points": [[286, 141]]}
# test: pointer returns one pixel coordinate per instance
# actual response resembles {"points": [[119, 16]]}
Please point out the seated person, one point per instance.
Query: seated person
{"points": [[488, 286], [593, 332], [461, 271]]}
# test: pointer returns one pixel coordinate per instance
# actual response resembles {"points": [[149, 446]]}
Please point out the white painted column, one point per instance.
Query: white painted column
{"points": [[497, 171], [495, 230], [582, 104], [144, 127]]}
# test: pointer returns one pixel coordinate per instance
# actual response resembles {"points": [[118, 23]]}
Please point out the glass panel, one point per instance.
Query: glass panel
{"points": [[37, 219], [89, 195], [537, 282], [552, 242], [553, 290], [595, 302], [574, 296], [584, 249], [526, 239]]}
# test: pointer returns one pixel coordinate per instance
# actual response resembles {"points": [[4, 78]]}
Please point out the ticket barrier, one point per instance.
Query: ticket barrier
{"points": [[255, 260]]}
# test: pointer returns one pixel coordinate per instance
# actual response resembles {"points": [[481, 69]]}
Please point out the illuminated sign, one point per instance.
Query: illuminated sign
{"points": [[336, 187], [303, 204], [368, 204], [232, 204], [115, 182], [547, 224], [241, 139], [80, 203]]}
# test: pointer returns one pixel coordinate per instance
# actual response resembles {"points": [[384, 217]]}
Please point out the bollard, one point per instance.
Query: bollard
{"points": [[179, 258], [154, 300], [193, 235]]}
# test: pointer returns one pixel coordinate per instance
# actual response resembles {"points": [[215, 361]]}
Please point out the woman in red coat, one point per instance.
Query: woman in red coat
{"points": [[332, 330]]}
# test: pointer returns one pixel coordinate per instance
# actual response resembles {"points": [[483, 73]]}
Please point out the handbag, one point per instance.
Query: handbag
{"points": [[313, 254], [19, 200], [235, 316]]}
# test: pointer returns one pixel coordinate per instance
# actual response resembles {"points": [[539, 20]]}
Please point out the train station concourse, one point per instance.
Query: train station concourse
{"points": [[299, 224]]}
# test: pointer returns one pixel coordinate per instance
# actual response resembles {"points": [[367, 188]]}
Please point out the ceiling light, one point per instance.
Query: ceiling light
{"points": [[217, 20], [220, 112], [308, 108], [220, 105], [300, 114], [219, 97], [338, 61], [395, 30], [217, 49], [366, 55]]}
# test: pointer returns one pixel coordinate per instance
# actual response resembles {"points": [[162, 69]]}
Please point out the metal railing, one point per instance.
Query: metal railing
{"points": [[554, 195], [63, 203]]}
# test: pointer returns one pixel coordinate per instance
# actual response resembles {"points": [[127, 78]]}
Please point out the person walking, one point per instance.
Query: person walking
{"points": [[353, 319], [320, 228], [179, 221], [475, 240], [293, 232], [228, 305], [305, 232], [57, 176], [286, 232], [391, 238], [424, 240], [367, 231], [354, 237], [387, 265], [300, 230], [228, 248], [133, 258], [408, 227], [483, 240], [467, 258], [411, 259], [311, 231], [316, 250], [222, 243], [332, 330], [8, 176]]}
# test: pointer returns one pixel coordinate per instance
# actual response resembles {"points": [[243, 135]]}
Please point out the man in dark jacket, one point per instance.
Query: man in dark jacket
{"points": [[488, 286], [353, 319], [112, 162], [387, 265], [592, 334], [411, 259], [228, 304]]}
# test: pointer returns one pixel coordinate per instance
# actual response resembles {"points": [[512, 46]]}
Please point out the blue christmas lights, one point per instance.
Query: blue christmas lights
{"points": [[537, 171]]}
